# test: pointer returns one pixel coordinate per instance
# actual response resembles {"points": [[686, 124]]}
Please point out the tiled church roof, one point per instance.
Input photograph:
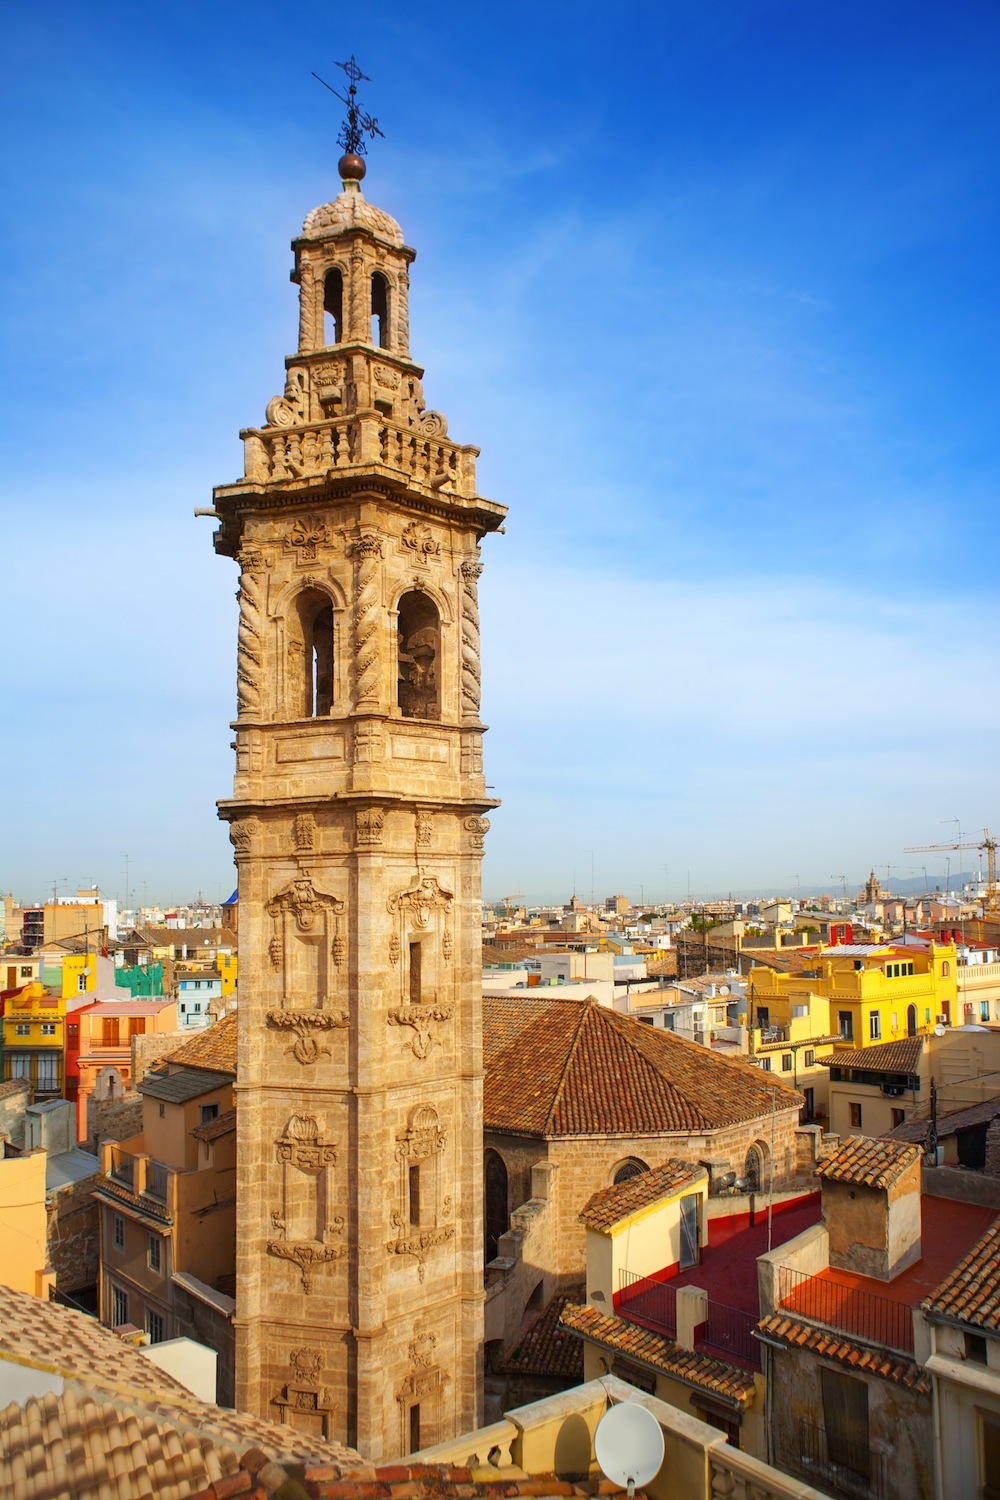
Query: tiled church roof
{"points": [[213, 1049], [570, 1067]]}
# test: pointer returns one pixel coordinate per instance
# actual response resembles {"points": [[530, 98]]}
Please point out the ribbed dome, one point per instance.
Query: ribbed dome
{"points": [[351, 210]]}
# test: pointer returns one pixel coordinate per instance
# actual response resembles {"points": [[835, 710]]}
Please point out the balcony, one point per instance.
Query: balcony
{"points": [[851, 1469], [136, 1178], [850, 1309], [725, 1332]]}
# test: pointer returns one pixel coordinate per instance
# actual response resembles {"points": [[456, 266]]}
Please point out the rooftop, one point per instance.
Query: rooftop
{"points": [[610, 1205], [834, 1345], [65, 1167], [659, 1352], [223, 1124], [178, 1086], [947, 1124], [868, 1162], [971, 1294], [570, 1067], [901, 1057], [547, 1348], [214, 1048]]}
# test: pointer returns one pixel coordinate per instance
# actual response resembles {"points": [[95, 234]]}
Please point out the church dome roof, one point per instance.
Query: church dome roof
{"points": [[351, 210]]}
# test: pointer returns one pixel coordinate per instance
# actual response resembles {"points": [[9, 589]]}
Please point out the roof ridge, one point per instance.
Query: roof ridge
{"points": [[631, 1040], [557, 1092]]}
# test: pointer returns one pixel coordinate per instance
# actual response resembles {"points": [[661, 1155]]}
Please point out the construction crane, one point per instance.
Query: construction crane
{"points": [[507, 900], [988, 843]]}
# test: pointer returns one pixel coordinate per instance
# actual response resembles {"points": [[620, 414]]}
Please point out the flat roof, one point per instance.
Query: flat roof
{"points": [[183, 1084], [69, 1166]]}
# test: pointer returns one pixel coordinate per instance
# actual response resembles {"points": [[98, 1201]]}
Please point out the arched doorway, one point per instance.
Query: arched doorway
{"points": [[496, 1216]]}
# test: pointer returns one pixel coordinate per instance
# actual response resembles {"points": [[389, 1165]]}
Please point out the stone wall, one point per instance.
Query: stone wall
{"points": [[113, 1119], [14, 1100], [73, 1235], [150, 1047], [197, 1319]]}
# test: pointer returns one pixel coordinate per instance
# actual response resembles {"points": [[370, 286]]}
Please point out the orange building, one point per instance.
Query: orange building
{"points": [[104, 1061]]}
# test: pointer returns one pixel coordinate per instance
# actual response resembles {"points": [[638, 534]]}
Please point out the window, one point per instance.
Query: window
{"points": [[786, 1062], [163, 1111], [311, 659], [765, 1064], [845, 1418], [945, 969], [119, 1307], [154, 1326], [25, 971], [496, 1216], [22, 1028], [753, 1170], [415, 977], [898, 1117], [118, 1231], [990, 1449], [81, 982], [689, 1230], [927, 1015], [380, 331], [183, 1010], [47, 1073], [845, 1022], [810, 1057], [855, 1116], [874, 1026], [209, 1112], [631, 1167], [415, 1429], [413, 1192], [153, 1252], [333, 307], [984, 1010], [20, 1065], [418, 644], [975, 1348], [48, 1028]]}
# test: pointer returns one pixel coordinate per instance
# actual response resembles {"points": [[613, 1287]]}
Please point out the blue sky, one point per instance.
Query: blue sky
{"points": [[712, 285]]}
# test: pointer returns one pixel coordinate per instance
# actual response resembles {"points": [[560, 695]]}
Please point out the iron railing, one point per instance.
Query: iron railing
{"points": [[653, 1303], [122, 1166], [850, 1468], [865, 1315], [156, 1181], [730, 1332]]}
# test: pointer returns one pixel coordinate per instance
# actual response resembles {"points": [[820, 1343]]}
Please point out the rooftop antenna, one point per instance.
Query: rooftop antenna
{"points": [[628, 1445], [359, 122]]}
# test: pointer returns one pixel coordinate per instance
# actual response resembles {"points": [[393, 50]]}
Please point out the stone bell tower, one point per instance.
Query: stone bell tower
{"points": [[358, 822]]}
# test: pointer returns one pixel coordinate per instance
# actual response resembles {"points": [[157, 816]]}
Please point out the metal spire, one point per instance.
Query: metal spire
{"points": [[358, 123]]}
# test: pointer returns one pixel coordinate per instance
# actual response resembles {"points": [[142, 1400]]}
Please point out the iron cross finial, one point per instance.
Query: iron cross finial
{"points": [[358, 123]]}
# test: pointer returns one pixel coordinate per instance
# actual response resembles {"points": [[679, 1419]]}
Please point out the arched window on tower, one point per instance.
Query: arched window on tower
{"points": [[496, 1216], [419, 642], [380, 310], [311, 655], [753, 1170], [333, 307]]}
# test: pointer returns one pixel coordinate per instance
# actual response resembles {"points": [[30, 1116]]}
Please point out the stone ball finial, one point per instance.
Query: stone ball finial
{"points": [[351, 167]]}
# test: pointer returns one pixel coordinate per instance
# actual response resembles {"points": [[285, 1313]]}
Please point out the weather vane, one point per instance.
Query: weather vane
{"points": [[358, 123]]}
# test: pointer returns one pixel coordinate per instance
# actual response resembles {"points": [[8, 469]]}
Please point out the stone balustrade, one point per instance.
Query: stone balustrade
{"points": [[556, 1436], [319, 448]]}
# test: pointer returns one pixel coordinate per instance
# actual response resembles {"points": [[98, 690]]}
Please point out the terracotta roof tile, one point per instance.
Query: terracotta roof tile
{"points": [[214, 1048], [832, 1345], [661, 1353], [610, 1205], [122, 1427], [223, 1124], [885, 1057], [971, 1293], [873, 1163], [417, 1481], [571, 1067], [947, 1124], [547, 1348]]}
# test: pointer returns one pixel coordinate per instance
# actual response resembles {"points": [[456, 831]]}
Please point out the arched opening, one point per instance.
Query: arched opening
{"points": [[945, 969], [495, 1216], [333, 307], [911, 1020], [753, 1170], [380, 310], [631, 1167], [419, 642], [311, 649]]}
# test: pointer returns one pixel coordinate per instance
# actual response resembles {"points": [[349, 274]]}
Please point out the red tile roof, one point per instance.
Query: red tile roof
{"points": [[610, 1205], [214, 1048], [661, 1353], [833, 1345], [571, 1067], [549, 1349], [872, 1163], [223, 1124], [971, 1294], [885, 1057], [947, 1124]]}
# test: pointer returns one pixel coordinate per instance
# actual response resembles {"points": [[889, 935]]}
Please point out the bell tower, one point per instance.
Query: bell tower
{"points": [[357, 820]]}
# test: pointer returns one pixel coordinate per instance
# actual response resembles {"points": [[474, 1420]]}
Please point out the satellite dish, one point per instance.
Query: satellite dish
{"points": [[628, 1445], [939, 1030]]}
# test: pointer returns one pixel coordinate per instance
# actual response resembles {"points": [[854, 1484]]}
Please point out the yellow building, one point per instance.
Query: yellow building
{"points": [[844, 998], [23, 1248], [79, 974], [34, 1040], [228, 966]]}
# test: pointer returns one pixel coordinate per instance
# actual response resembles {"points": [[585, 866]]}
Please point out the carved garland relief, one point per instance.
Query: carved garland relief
{"points": [[306, 948], [305, 1232], [423, 1140], [426, 906]]}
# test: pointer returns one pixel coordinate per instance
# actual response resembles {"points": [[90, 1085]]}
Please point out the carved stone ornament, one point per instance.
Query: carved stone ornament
{"points": [[242, 834], [433, 424], [424, 826], [307, 534], [338, 950], [306, 1256], [289, 409], [447, 946], [419, 1018], [424, 1136], [367, 553], [420, 539], [387, 377], [249, 652], [301, 1149], [477, 829], [304, 903], [368, 822], [368, 742], [306, 1363], [304, 1024], [421, 901], [421, 1351], [471, 673], [417, 1242], [304, 832], [394, 948], [306, 921], [275, 952]]}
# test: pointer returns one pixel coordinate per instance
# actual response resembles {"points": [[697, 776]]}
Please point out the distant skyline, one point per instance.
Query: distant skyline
{"points": [[713, 289]]}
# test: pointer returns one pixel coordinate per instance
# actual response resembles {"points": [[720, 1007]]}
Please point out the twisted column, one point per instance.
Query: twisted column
{"points": [[249, 651], [471, 676], [367, 551]]}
